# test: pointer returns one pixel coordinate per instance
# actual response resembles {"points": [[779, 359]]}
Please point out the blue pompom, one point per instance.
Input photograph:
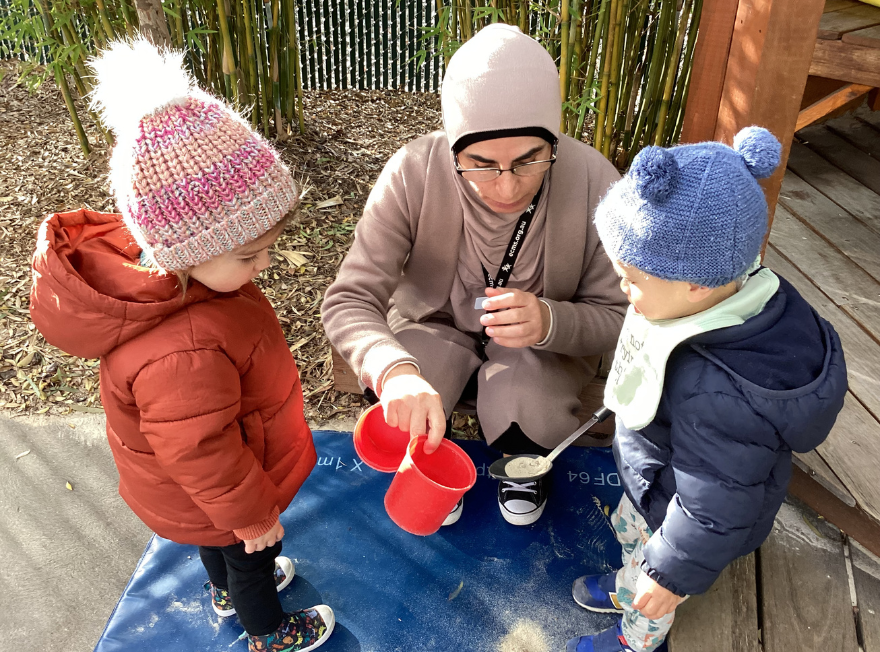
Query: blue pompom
{"points": [[759, 149], [654, 172]]}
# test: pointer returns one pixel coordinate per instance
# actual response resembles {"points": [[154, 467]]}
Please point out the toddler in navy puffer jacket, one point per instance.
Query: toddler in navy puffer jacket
{"points": [[721, 371]]}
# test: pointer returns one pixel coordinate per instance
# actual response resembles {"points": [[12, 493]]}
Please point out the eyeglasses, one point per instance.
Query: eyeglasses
{"points": [[530, 169]]}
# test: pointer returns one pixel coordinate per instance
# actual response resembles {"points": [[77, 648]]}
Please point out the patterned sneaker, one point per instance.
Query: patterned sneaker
{"points": [[597, 593], [300, 631], [455, 514], [522, 503], [609, 640], [222, 602]]}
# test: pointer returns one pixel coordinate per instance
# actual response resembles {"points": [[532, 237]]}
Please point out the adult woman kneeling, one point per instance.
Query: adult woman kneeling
{"points": [[476, 255]]}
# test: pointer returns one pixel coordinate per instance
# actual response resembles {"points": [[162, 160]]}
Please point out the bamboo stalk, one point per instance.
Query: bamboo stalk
{"points": [[105, 20], [252, 80], [453, 27], [614, 77], [263, 65], [680, 99], [651, 82], [443, 15], [607, 57], [80, 78], [71, 109], [179, 6], [634, 72], [565, 55], [289, 70], [274, 34], [229, 69], [671, 73], [130, 27], [591, 66], [60, 80], [300, 111]]}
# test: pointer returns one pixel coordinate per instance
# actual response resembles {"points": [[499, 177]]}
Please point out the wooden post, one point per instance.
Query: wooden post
{"points": [[767, 69], [709, 66], [152, 22]]}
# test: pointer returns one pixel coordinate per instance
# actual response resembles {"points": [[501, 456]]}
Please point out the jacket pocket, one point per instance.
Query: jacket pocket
{"points": [[254, 436]]}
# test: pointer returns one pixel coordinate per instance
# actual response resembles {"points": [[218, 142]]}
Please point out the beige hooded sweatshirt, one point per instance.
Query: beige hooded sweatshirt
{"points": [[425, 232]]}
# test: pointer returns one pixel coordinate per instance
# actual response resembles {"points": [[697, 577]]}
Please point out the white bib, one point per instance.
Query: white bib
{"points": [[635, 384]]}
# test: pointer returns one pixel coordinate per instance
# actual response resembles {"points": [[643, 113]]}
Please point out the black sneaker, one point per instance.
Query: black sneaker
{"points": [[455, 514], [522, 503]]}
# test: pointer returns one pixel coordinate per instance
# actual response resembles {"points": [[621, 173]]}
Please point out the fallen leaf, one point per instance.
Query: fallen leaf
{"points": [[454, 594], [333, 201], [69, 486], [85, 408], [294, 258]]}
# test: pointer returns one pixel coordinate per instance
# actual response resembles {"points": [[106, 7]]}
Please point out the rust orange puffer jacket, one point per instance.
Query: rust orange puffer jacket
{"points": [[203, 399]]}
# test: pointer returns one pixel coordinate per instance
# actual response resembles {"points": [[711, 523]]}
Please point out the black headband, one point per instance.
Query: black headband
{"points": [[470, 139]]}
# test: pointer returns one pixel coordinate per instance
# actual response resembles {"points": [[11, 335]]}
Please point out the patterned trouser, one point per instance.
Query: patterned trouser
{"points": [[642, 634]]}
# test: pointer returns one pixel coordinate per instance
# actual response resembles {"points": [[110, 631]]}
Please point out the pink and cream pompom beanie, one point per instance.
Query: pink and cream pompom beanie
{"points": [[191, 178]]}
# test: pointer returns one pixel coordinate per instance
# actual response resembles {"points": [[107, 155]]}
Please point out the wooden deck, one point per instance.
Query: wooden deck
{"points": [[826, 241], [809, 588]]}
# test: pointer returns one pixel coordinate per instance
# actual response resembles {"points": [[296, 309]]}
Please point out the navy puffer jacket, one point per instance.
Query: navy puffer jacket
{"points": [[710, 472]]}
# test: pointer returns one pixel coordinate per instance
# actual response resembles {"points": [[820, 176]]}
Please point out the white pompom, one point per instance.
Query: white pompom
{"points": [[134, 79]]}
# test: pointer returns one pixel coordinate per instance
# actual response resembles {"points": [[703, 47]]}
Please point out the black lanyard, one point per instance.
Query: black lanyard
{"points": [[513, 248]]}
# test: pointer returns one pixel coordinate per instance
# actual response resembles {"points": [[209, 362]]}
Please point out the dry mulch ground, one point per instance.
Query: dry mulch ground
{"points": [[349, 136]]}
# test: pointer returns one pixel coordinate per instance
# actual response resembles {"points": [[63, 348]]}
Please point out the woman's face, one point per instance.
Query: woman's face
{"points": [[508, 193]]}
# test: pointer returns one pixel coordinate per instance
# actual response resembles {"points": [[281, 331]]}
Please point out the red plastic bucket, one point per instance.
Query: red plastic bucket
{"points": [[427, 487], [378, 444]]}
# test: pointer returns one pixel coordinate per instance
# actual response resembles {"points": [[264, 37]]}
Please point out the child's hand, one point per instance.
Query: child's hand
{"points": [[268, 540], [653, 600]]}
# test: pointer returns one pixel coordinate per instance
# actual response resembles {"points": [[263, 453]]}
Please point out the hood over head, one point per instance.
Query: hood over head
{"points": [[90, 293], [500, 81], [788, 384]]}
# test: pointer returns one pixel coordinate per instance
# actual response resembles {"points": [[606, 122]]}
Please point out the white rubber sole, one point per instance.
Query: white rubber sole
{"points": [[289, 571], [596, 609], [329, 619], [454, 515], [522, 519]]}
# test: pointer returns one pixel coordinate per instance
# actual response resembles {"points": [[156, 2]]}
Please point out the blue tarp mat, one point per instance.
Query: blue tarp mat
{"points": [[480, 584]]}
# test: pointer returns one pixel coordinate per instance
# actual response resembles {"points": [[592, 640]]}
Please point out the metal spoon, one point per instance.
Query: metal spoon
{"points": [[527, 468]]}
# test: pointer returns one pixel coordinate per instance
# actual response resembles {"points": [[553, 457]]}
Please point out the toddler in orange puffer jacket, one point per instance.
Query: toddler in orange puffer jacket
{"points": [[203, 399]]}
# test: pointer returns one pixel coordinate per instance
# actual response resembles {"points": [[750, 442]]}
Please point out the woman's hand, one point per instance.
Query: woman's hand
{"points": [[411, 404], [653, 600], [268, 540], [522, 320]]}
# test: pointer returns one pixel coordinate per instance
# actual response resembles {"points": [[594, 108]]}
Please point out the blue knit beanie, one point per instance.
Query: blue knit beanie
{"points": [[692, 213]]}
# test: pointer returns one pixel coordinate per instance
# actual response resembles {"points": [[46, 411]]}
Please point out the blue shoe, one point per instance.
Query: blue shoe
{"points": [[609, 640], [597, 593]]}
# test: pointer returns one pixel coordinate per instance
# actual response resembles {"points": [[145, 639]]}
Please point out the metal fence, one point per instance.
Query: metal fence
{"points": [[368, 44], [363, 44]]}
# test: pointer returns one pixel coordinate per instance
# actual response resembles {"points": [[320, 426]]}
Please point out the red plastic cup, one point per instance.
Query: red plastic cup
{"points": [[427, 487], [378, 444]]}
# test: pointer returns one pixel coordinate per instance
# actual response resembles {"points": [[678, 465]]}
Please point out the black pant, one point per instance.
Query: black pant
{"points": [[250, 580]]}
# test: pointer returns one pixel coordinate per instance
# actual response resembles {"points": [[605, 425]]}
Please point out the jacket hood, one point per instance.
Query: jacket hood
{"points": [[90, 293], [790, 363]]}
